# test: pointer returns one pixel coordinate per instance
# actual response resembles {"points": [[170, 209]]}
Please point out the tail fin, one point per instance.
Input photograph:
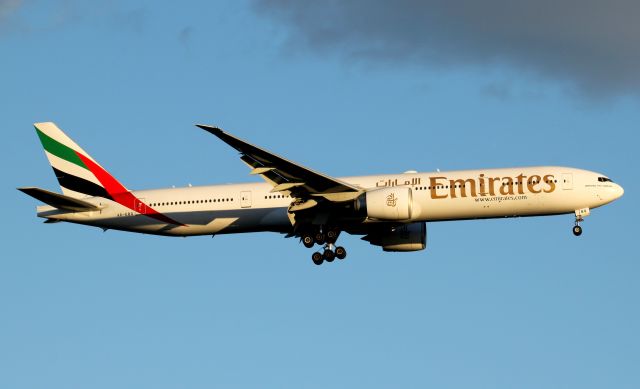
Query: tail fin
{"points": [[79, 175]]}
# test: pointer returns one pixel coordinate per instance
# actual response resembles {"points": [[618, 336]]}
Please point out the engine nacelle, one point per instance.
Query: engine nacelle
{"points": [[407, 237], [386, 204]]}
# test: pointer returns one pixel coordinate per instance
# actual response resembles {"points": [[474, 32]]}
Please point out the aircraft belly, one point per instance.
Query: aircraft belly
{"points": [[232, 221], [195, 223]]}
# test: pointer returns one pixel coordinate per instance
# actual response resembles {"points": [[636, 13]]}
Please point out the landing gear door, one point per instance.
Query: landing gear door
{"points": [[567, 181], [245, 199]]}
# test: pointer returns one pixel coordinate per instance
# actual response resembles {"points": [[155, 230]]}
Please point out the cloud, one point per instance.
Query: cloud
{"points": [[184, 36], [7, 9], [497, 90], [591, 45], [48, 15], [133, 20]]}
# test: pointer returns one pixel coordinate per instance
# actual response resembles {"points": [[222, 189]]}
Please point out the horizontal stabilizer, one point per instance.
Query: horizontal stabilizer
{"points": [[59, 201]]}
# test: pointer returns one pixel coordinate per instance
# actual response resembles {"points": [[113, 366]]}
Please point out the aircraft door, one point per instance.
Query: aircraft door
{"points": [[245, 199], [567, 181]]}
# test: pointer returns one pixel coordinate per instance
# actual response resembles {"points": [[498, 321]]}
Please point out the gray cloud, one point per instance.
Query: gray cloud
{"points": [[47, 15], [496, 90], [133, 20], [7, 9], [184, 36], [590, 45]]}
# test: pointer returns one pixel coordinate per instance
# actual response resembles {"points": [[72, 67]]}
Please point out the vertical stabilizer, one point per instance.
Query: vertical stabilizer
{"points": [[79, 175]]}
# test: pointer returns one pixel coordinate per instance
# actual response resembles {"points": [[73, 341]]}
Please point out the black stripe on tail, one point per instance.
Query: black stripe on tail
{"points": [[81, 185]]}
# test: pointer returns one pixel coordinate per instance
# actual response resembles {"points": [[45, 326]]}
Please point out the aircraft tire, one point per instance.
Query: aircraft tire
{"points": [[307, 241], [317, 258], [328, 255], [577, 230], [341, 253]]}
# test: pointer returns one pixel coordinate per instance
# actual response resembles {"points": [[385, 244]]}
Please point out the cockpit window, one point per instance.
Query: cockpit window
{"points": [[604, 179]]}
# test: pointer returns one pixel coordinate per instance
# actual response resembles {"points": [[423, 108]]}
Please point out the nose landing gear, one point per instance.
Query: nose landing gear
{"points": [[580, 214], [577, 230]]}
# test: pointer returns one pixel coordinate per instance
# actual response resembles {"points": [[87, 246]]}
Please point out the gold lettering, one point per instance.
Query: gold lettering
{"points": [[492, 189], [483, 188], [521, 178], [507, 186], [469, 187], [548, 179], [532, 182], [433, 182], [463, 188]]}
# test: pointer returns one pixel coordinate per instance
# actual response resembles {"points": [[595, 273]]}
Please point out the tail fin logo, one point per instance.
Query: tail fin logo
{"points": [[80, 176]]}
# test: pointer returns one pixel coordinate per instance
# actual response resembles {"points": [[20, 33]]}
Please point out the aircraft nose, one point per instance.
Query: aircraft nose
{"points": [[619, 191]]}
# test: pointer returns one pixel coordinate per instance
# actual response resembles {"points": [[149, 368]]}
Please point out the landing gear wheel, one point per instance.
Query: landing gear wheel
{"points": [[577, 230], [332, 236], [319, 238], [328, 255], [307, 241], [341, 253], [317, 258]]}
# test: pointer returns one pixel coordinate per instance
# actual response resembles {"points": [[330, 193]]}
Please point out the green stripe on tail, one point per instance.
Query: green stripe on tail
{"points": [[59, 150]]}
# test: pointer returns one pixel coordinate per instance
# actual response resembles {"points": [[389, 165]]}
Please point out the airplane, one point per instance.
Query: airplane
{"points": [[387, 210]]}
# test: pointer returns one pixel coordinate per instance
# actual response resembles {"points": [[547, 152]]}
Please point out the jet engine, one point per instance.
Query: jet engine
{"points": [[406, 237], [386, 204]]}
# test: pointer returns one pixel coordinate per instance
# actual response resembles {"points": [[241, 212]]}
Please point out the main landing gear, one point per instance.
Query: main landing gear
{"points": [[580, 214], [329, 251]]}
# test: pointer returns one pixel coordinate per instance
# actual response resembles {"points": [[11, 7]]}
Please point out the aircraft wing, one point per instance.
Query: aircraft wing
{"points": [[285, 175]]}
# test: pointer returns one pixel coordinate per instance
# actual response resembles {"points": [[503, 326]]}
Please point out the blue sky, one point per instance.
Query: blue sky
{"points": [[490, 304]]}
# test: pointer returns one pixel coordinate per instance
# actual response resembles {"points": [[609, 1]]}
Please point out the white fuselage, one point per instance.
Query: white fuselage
{"points": [[435, 196]]}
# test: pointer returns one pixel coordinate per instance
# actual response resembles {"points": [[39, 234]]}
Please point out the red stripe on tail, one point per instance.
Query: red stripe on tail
{"points": [[121, 195]]}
